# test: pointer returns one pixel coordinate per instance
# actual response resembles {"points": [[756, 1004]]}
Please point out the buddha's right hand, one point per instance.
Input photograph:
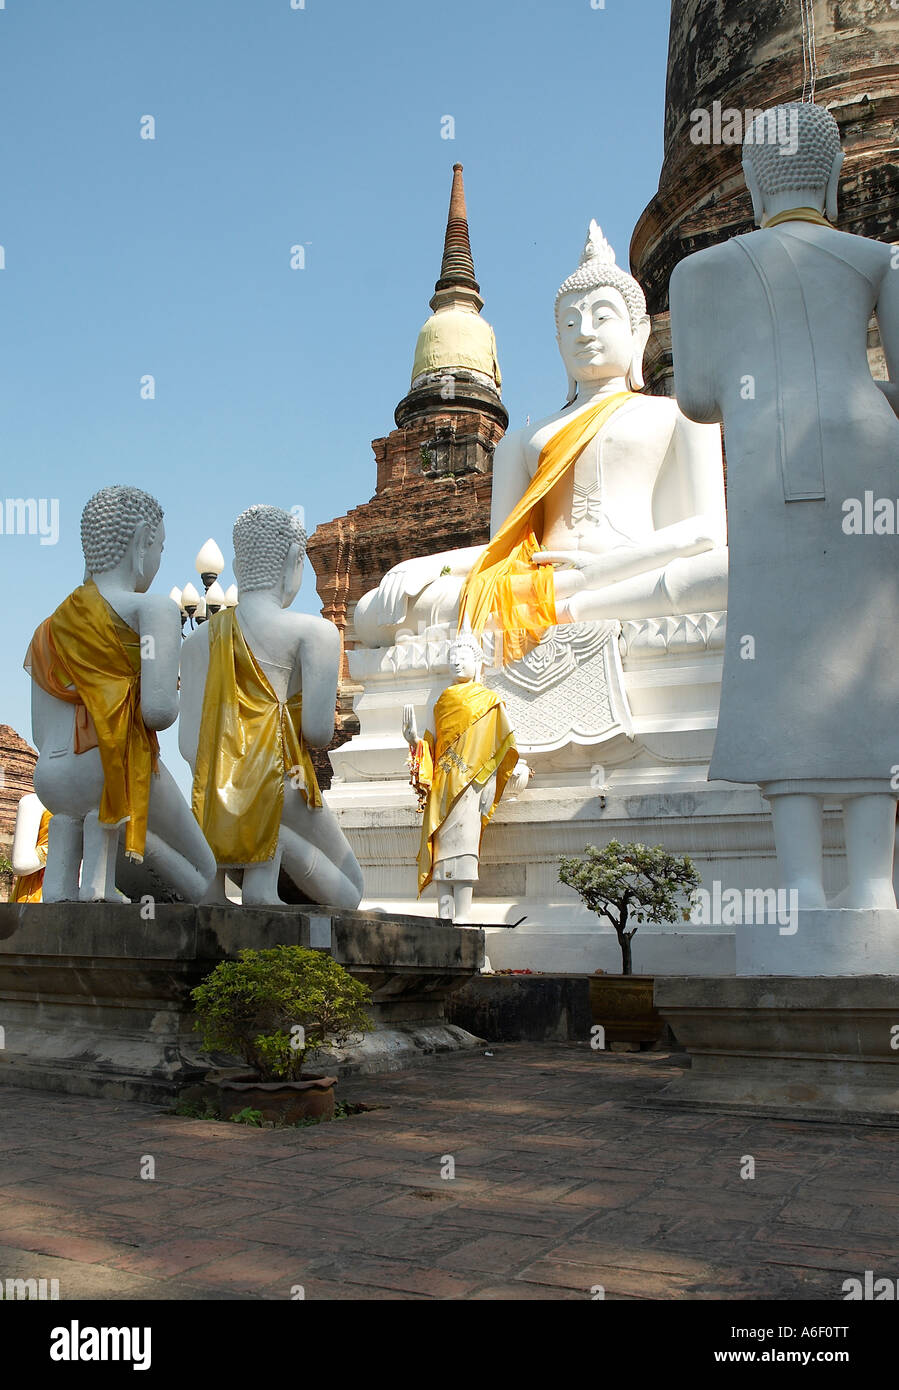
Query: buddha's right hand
{"points": [[410, 728], [406, 580]]}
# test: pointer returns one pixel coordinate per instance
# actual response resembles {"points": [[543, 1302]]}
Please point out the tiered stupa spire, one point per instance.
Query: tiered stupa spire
{"points": [[455, 340], [434, 470], [457, 270]]}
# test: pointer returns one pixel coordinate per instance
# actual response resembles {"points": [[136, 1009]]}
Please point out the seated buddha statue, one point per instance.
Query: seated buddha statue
{"points": [[612, 507], [104, 671], [258, 690]]}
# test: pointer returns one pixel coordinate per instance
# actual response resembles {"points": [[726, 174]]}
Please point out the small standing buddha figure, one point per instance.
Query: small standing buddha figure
{"points": [[460, 773]]}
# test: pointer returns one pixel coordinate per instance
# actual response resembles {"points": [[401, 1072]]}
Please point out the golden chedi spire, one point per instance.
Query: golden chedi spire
{"points": [[455, 337]]}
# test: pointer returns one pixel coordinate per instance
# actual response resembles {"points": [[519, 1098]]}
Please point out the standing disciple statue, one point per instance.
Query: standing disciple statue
{"points": [[259, 688], [769, 336], [612, 507], [460, 773], [104, 669]]}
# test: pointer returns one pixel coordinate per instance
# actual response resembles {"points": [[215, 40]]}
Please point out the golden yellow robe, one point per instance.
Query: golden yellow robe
{"points": [[28, 888], [249, 742], [88, 656], [504, 583], [474, 739]]}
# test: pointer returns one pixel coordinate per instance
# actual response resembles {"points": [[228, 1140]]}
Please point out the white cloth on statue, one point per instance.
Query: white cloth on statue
{"points": [[457, 844]]}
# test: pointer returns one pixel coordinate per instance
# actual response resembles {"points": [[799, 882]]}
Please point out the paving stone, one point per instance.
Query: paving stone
{"points": [[817, 1213], [498, 1253], [395, 1274], [566, 1177]]}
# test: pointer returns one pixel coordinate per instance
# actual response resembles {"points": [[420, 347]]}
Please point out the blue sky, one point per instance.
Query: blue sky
{"points": [[275, 127]]}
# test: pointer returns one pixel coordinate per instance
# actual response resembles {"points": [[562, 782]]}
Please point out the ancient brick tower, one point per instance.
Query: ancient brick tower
{"points": [[434, 470], [751, 56]]}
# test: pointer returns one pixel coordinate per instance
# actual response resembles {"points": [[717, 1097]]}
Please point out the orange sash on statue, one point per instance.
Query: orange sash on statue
{"points": [[88, 656], [29, 888], [473, 740], [504, 583], [248, 743]]}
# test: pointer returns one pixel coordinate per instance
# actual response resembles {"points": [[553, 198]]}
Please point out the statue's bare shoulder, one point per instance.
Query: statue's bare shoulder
{"points": [[715, 263], [155, 612], [314, 637]]}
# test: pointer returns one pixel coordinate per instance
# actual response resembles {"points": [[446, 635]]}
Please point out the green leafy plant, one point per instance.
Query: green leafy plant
{"points": [[272, 1007], [632, 883], [195, 1109], [248, 1116]]}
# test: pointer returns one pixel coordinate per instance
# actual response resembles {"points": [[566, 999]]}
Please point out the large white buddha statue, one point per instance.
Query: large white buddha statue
{"points": [[769, 337], [104, 671], [612, 507], [258, 689]]}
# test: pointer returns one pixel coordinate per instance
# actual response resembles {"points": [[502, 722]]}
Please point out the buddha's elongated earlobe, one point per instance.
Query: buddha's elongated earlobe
{"points": [[572, 391], [635, 380], [755, 192], [831, 197]]}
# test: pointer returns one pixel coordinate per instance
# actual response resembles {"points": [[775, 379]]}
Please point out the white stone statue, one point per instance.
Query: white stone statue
{"points": [[769, 337], [26, 858], [29, 849], [461, 772], [634, 523], [104, 671], [258, 689]]}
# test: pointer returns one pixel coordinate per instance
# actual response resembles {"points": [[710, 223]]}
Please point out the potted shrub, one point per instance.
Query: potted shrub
{"points": [[271, 1008], [627, 885]]}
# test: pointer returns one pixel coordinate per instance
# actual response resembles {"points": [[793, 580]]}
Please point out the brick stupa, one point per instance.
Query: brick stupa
{"points": [[434, 470], [742, 56]]}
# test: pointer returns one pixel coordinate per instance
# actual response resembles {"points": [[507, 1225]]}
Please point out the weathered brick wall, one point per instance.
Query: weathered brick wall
{"points": [[17, 760], [750, 56]]}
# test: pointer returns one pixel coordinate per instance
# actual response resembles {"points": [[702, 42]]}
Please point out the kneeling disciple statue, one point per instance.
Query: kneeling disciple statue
{"points": [[259, 688], [104, 669], [460, 773]]}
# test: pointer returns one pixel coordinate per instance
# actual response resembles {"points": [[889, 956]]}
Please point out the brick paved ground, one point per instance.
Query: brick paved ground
{"points": [[565, 1178]]}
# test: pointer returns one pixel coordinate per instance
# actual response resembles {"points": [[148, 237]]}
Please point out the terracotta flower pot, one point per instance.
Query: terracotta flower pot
{"points": [[623, 1004], [285, 1102]]}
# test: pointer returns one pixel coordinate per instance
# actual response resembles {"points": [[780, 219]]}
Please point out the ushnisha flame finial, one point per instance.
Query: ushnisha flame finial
{"points": [[597, 267]]}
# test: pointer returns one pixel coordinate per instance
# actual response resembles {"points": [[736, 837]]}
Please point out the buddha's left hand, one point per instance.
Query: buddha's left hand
{"points": [[581, 569]]}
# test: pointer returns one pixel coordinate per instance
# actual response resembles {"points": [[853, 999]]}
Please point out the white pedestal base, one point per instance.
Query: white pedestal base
{"points": [[828, 941]]}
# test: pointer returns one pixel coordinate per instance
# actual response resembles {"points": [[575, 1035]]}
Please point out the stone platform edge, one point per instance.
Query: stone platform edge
{"points": [[95, 998]]}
